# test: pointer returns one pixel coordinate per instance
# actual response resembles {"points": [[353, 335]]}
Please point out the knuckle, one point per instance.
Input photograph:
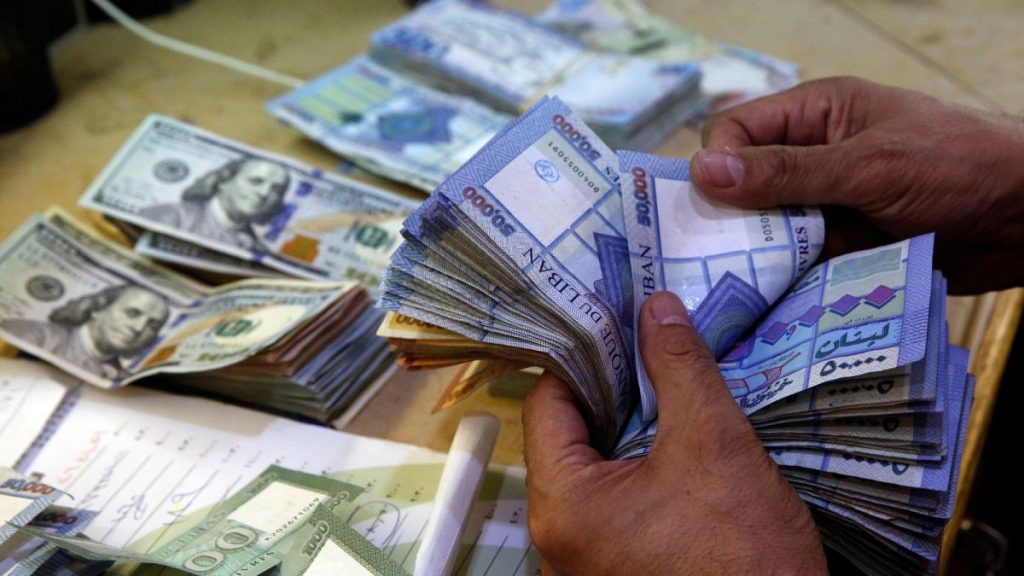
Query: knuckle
{"points": [[781, 171], [883, 165]]}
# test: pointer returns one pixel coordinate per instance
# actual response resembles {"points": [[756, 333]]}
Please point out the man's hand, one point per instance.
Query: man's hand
{"points": [[707, 500], [887, 164]]}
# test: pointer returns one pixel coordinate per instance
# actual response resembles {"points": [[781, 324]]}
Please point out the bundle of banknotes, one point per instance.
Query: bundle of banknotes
{"points": [[508, 61], [544, 246], [106, 315], [730, 74], [441, 82]]}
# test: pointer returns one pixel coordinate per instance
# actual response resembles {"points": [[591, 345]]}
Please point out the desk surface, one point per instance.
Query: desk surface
{"points": [[110, 80]]}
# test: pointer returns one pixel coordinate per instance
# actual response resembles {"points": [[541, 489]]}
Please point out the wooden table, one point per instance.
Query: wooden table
{"points": [[110, 80]]}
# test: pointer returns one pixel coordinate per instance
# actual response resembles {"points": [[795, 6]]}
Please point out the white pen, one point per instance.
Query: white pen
{"points": [[460, 481]]}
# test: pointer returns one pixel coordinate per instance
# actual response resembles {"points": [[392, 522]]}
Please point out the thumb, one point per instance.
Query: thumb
{"points": [[769, 176], [690, 390]]}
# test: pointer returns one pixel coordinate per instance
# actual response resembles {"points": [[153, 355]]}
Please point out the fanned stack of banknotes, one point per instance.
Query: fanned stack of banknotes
{"points": [[441, 82], [542, 248]]}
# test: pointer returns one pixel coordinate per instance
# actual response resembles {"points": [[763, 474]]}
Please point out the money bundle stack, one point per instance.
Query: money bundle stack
{"points": [[111, 318], [508, 61], [203, 201], [730, 74], [543, 247]]}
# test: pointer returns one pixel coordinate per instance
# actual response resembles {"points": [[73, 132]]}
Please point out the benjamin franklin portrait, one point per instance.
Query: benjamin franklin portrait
{"points": [[225, 203], [95, 332]]}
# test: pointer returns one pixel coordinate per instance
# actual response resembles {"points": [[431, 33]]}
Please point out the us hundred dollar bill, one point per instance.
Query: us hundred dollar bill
{"points": [[103, 314], [190, 184]]}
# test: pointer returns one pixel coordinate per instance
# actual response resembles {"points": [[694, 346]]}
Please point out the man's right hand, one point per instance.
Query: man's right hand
{"points": [[885, 164]]}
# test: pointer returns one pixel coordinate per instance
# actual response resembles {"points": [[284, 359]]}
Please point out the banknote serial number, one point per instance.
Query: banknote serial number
{"points": [[766, 226], [576, 169]]}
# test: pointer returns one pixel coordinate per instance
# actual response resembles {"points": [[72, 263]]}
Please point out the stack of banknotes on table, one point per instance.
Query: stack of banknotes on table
{"points": [[448, 77], [111, 318], [543, 247], [730, 74], [507, 61]]}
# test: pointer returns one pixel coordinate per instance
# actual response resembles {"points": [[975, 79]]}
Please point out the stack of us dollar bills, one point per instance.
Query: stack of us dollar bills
{"points": [[543, 247], [442, 81], [110, 317]]}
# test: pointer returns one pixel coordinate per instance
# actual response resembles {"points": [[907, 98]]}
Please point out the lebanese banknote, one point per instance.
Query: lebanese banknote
{"points": [[730, 74], [21, 500], [854, 314], [389, 124], [36, 556], [190, 184], [526, 218], [110, 318], [509, 61], [727, 265]]}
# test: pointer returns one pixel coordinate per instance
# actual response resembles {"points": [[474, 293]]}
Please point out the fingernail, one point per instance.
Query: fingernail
{"points": [[668, 309], [720, 168]]}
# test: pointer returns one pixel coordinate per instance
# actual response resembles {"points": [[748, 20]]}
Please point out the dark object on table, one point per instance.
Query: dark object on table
{"points": [[27, 90]]}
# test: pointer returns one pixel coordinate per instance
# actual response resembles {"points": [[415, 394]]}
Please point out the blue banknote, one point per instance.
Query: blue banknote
{"points": [[389, 124], [727, 265], [852, 315]]}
